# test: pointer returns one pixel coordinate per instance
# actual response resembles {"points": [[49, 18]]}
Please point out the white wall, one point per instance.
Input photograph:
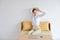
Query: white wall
{"points": [[12, 12]]}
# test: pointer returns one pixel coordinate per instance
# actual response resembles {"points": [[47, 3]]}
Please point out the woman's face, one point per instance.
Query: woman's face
{"points": [[35, 12]]}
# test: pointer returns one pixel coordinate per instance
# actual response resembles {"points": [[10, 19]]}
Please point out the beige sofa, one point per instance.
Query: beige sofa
{"points": [[26, 26], [45, 26]]}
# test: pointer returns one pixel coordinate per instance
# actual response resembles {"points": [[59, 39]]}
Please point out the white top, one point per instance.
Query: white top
{"points": [[36, 19]]}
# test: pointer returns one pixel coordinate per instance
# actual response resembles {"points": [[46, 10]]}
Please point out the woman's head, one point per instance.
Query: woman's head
{"points": [[35, 10]]}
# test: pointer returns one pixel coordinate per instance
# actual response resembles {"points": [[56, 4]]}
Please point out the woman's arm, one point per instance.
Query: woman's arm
{"points": [[43, 13], [40, 14]]}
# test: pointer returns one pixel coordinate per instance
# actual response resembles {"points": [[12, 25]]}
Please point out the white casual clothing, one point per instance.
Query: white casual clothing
{"points": [[36, 22], [36, 19]]}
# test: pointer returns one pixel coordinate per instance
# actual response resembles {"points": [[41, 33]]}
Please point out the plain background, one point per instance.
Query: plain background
{"points": [[12, 12]]}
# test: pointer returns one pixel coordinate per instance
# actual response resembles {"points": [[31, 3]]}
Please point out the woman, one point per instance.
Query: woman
{"points": [[36, 19]]}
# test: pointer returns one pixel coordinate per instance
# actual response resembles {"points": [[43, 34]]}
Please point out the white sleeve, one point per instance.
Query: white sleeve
{"points": [[40, 14], [33, 21]]}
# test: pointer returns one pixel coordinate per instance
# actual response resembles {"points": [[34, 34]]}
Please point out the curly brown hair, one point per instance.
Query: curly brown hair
{"points": [[33, 10]]}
